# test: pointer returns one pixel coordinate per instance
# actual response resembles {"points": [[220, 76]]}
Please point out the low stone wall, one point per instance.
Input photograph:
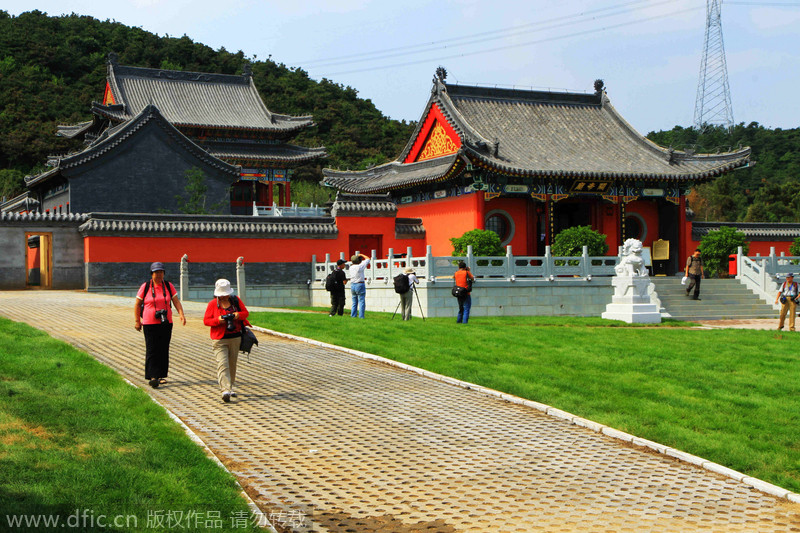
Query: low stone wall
{"points": [[255, 296], [562, 297]]}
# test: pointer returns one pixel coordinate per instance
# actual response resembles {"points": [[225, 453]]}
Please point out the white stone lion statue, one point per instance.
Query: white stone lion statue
{"points": [[632, 263]]}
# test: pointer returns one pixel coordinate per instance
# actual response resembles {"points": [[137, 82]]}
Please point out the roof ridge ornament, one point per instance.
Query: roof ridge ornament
{"points": [[247, 70], [113, 59], [438, 80]]}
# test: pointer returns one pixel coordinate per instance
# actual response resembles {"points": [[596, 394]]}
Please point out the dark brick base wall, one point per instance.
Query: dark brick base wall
{"points": [[134, 274]]}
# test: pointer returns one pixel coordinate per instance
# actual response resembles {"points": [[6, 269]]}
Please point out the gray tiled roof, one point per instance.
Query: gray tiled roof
{"points": [[754, 231], [408, 228], [194, 99], [209, 225], [541, 134], [12, 218], [363, 205], [114, 137], [72, 131], [281, 153], [390, 175]]}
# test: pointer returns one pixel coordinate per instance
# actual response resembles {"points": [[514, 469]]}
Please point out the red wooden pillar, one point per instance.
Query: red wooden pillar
{"points": [[269, 194], [288, 193], [480, 210]]}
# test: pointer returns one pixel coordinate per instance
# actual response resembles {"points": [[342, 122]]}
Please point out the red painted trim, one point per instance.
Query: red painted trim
{"points": [[108, 96], [434, 115]]}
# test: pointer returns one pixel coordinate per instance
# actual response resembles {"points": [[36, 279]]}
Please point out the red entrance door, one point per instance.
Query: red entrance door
{"points": [[366, 243]]}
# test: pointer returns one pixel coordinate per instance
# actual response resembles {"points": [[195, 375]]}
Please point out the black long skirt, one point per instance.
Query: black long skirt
{"points": [[156, 359]]}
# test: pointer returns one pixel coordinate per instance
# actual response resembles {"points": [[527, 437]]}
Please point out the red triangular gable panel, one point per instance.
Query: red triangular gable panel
{"points": [[108, 96], [436, 138]]}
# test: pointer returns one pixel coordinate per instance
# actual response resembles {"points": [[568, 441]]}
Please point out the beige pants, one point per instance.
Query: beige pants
{"points": [[226, 352], [791, 307]]}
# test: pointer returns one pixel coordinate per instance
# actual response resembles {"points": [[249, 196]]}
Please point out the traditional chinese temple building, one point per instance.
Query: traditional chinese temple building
{"points": [[528, 164], [153, 125]]}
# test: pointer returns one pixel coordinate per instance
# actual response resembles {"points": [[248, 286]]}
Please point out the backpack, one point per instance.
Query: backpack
{"points": [[330, 281], [147, 289], [401, 284]]}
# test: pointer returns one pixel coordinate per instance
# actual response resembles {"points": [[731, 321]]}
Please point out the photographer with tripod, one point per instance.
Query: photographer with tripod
{"points": [[226, 315]]}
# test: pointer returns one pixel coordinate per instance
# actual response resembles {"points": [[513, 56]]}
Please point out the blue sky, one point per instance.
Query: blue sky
{"points": [[648, 52]]}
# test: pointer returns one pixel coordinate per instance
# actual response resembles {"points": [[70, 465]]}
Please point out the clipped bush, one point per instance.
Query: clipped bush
{"points": [[570, 242], [483, 242], [717, 246]]}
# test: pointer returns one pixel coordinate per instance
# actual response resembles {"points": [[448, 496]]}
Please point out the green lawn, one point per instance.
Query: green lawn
{"points": [[730, 396], [79, 443]]}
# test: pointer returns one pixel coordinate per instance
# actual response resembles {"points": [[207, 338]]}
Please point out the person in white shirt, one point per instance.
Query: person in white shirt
{"points": [[407, 298], [358, 288]]}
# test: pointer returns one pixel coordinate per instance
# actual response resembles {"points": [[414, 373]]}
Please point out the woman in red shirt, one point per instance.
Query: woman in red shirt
{"points": [[153, 313], [226, 314], [463, 278]]}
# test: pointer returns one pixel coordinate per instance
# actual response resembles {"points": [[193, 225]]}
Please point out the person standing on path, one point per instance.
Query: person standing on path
{"points": [[337, 293], [358, 287], [787, 294], [694, 271], [407, 298], [226, 315], [463, 278], [152, 313]]}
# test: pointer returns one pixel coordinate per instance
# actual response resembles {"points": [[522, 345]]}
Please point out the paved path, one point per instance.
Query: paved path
{"points": [[361, 446]]}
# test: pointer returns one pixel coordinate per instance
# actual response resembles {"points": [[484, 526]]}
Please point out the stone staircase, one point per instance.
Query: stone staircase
{"points": [[719, 299]]}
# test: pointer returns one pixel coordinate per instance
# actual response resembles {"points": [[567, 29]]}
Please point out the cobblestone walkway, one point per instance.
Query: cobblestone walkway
{"points": [[357, 445]]}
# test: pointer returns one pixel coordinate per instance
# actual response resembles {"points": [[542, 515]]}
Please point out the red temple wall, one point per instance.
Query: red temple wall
{"points": [[522, 212], [648, 211], [446, 218]]}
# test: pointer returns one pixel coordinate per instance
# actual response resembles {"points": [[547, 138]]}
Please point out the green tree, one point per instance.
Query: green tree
{"points": [[794, 249], [483, 242], [12, 183], [718, 245], [570, 242], [196, 192]]}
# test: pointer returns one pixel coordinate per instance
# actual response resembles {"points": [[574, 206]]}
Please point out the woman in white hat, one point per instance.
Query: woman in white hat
{"points": [[226, 314]]}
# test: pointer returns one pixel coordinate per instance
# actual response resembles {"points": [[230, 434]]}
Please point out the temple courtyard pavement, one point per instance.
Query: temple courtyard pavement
{"points": [[354, 443]]}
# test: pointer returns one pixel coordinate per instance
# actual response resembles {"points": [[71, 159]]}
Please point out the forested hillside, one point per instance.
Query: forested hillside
{"points": [[52, 68], [768, 191]]}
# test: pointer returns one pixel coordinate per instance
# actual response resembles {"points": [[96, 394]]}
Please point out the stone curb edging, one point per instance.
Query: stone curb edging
{"points": [[750, 481], [198, 441]]}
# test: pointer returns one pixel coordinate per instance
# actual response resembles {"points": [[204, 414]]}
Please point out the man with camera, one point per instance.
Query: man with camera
{"points": [[153, 314], [787, 295]]}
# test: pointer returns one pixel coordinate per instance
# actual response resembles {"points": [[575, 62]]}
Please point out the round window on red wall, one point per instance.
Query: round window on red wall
{"points": [[502, 224], [635, 227]]}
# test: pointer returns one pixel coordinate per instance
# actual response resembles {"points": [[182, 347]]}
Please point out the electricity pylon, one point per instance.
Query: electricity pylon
{"points": [[713, 106]]}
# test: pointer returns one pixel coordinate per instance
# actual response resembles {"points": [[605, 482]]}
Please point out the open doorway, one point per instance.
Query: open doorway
{"points": [[38, 260]]}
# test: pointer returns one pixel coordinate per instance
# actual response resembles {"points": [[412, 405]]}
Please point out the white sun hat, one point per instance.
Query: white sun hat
{"points": [[223, 288]]}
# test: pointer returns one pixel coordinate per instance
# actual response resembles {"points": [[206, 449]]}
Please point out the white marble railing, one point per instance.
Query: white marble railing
{"points": [[508, 267], [287, 211], [764, 274]]}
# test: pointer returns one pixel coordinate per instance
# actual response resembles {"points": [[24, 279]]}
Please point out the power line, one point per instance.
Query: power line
{"points": [[518, 45], [476, 37]]}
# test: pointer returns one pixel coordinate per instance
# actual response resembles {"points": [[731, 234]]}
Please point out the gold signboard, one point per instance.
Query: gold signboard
{"points": [[660, 250]]}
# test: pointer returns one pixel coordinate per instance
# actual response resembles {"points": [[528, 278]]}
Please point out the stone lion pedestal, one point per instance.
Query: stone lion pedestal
{"points": [[631, 301]]}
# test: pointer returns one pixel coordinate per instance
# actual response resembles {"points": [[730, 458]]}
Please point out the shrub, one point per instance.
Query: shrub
{"points": [[718, 245], [794, 249], [570, 242], [483, 243]]}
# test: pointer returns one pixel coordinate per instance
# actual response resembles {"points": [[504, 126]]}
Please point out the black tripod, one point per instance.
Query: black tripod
{"points": [[418, 303]]}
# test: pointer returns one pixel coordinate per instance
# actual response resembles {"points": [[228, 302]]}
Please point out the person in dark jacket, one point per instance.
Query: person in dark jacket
{"points": [[337, 293]]}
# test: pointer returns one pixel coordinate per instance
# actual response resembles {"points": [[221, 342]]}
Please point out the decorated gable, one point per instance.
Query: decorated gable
{"points": [[436, 138]]}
